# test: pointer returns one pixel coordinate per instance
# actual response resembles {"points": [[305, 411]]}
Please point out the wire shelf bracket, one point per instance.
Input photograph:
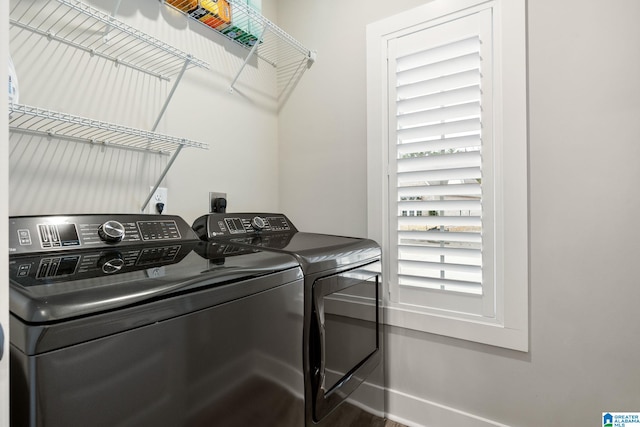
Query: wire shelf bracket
{"points": [[77, 24], [43, 122], [36, 120]]}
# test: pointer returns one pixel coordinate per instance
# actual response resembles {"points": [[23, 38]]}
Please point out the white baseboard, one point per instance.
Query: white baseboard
{"points": [[418, 412], [370, 398]]}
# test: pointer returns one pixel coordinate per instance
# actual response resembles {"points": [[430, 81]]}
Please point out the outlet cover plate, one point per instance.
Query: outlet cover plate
{"points": [[159, 196]]}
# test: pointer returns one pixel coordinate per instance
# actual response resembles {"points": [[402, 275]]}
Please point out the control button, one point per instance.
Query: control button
{"points": [[158, 230], [55, 238], [23, 270], [111, 232], [258, 223], [44, 236], [24, 236]]}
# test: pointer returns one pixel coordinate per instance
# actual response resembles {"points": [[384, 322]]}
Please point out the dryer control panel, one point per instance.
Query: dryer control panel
{"points": [[227, 225], [34, 234]]}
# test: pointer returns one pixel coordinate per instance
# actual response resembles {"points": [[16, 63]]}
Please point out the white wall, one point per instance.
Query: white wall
{"points": [[323, 125], [69, 177], [583, 118]]}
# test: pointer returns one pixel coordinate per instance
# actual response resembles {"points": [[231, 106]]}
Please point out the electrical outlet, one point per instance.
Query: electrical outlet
{"points": [[159, 196], [212, 196]]}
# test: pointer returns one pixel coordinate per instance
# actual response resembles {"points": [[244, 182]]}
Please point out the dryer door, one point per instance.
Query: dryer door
{"points": [[345, 342]]}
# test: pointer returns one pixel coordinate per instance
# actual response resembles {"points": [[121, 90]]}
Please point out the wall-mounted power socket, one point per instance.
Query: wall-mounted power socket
{"points": [[159, 196], [213, 196]]}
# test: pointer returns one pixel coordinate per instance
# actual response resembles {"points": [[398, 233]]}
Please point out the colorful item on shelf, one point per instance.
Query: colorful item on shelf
{"points": [[244, 28], [214, 13], [223, 16], [13, 83], [184, 5], [236, 22]]}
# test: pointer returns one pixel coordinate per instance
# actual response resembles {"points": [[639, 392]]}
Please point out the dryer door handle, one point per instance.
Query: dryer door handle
{"points": [[1, 341]]}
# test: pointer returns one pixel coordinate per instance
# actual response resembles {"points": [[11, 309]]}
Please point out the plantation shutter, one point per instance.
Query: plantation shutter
{"points": [[440, 90]]}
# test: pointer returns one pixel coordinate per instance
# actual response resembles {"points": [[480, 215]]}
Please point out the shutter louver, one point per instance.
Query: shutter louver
{"points": [[439, 167]]}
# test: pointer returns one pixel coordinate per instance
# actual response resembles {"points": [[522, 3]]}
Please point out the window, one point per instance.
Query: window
{"points": [[447, 168], [439, 83]]}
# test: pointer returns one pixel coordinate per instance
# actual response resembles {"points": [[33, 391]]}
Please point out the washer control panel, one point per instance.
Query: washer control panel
{"points": [[225, 225], [38, 269], [33, 234]]}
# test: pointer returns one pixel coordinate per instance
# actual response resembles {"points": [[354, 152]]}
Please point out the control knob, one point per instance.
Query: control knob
{"points": [[111, 232], [111, 263], [258, 223]]}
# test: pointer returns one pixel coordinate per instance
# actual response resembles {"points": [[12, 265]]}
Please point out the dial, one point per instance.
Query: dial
{"points": [[257, 223], [111, 232], [111, 263]]}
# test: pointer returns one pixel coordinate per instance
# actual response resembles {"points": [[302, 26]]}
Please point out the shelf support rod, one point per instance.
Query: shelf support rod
{"points": [[155, 125], [108, 27], [162, 175], [251, 52], [173, 90]]}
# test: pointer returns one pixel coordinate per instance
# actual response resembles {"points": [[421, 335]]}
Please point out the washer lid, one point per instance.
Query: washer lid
{"points": [[274, 231], [316, 252], [50, 288]]}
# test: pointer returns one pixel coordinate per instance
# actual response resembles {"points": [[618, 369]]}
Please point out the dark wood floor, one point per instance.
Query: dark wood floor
{"points": [[245, 404], [347, 415]]}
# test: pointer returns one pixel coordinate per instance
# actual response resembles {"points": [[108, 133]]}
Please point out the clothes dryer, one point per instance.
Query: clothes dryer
{"points": [[343, 339]]}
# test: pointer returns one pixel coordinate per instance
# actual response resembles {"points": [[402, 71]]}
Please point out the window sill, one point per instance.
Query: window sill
{"points": [[480, 330]]}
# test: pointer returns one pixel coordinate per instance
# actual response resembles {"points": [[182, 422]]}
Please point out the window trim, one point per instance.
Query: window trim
{"points": [[509, 328]]}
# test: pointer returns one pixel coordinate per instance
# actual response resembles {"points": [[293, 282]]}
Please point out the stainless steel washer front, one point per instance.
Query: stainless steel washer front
{"points": [[164, 331]]}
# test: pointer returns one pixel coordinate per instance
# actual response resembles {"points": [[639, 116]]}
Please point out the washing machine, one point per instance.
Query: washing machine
{"points": [[131, 320], [342, 337]]}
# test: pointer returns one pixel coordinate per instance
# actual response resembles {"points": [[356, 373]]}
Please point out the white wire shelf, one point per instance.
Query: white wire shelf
{"points": [[76, 24], [262, 38], [275, 46], [40, 121]]}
